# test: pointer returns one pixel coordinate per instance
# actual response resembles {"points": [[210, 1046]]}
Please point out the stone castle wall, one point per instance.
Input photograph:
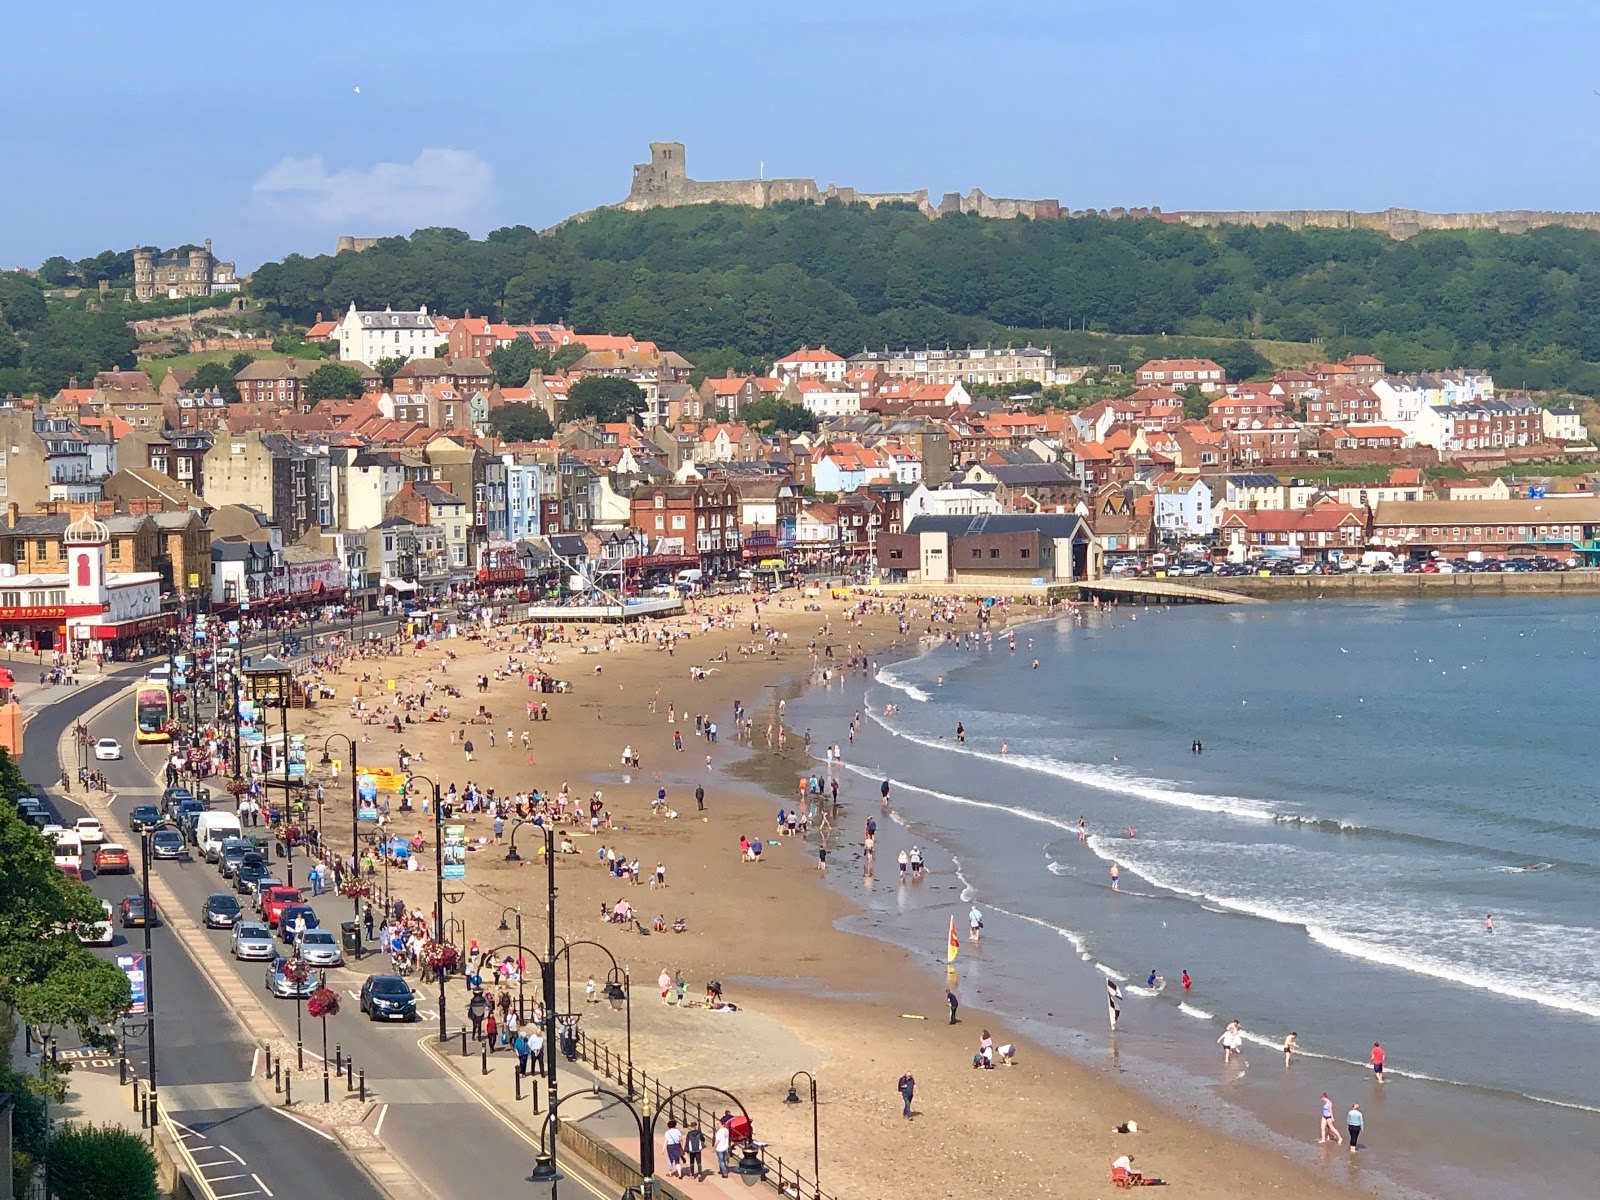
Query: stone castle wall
{"points": [[663, 182]]}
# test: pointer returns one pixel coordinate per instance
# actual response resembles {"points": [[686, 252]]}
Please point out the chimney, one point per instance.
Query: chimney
{"points": [[13, 511]]}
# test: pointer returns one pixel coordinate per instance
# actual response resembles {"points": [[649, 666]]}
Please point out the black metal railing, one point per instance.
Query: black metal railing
{"points": [[784, 1176]]}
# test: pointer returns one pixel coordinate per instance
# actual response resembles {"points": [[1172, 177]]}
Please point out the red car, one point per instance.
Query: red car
{"points": [[273, 903], [112, 859]]}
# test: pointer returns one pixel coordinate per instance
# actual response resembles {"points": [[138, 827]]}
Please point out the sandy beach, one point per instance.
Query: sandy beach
{"points": [[853, 1011]]}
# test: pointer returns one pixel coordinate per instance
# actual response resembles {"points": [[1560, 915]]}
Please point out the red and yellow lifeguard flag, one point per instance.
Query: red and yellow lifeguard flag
{"points": [[955, 942]]}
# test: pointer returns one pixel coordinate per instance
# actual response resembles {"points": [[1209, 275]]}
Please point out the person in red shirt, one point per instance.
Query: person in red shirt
{"points": [[1377, 1061], [1186, 980]]}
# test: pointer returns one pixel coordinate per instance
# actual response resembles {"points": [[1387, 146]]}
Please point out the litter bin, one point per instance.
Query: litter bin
{"points": [[351, 936]]}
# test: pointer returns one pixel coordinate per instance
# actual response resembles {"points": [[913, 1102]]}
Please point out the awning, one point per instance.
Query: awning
{"points": [[400, 585], [133, 628]]}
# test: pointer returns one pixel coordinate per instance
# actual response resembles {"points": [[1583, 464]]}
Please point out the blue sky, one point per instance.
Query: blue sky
{"points": [[172, 122]]}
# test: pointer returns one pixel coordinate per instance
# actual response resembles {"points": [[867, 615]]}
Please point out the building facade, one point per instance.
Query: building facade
{"points": [[196, 272]]}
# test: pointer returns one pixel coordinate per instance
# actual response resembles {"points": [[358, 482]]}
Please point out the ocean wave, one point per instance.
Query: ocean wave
{"points": [[1114, 974], [1027, 814], [1079, 942], [1198, 1014], [890, 679], [1543, 866], [1107, 779]]}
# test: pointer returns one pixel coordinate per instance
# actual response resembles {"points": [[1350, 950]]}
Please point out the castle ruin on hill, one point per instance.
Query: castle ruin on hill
{"points": [[663, 182]]}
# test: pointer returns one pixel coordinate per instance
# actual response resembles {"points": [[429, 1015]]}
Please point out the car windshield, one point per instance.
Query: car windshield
{"points": [[223, 902], [167, 837], [316, 937], [389, 985], [253, 930]]}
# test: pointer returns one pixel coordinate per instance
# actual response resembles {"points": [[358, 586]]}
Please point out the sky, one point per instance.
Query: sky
{"points": [[273, 129]]}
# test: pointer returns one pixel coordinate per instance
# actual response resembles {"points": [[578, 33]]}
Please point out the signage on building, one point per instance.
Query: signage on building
{"points": [[43, 612]]}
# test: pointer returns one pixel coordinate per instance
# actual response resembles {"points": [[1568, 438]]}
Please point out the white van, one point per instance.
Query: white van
{"points": [[693, 577], [211, 829], [161, 673], [69, 850]]}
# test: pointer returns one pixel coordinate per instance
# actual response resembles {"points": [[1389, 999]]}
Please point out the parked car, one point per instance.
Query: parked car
{"points": [[172, 797], [280, 985], [246, 874], [222, 910], [251, 941], [107, 749], [235, 851], [287, 917], [143, 817], [112, 859], [320, 948], [273, 902], [166, 843], [101, 932], [388, 998], [137, 910]]}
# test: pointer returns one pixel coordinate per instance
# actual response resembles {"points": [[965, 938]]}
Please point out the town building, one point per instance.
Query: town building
{"points": [[1200, 373], [973, 364], [805, 363], [1318, 529], [369, 336], [691, 520], [192, 272], [1007, 548], [1545, 524]]}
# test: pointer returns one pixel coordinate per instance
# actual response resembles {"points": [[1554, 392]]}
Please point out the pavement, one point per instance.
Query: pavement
{"points": [[428, 1131]]}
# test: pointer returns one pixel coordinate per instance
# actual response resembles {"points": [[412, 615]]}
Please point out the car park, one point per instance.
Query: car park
{"points": [[90, 832], [320, 948], [138, 911], [251, 941], [282, 986], [143, 817], [222, 910], [107, 749], [166, 843], [388, 998], [101, 932], [112, 859]]}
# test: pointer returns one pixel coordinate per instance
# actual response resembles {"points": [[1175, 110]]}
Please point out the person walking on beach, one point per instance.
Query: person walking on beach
{"points": [[1328, 1132], [1231, 1041], [1083, 829], [1115, 873], [699, 797], [975, 923], [1377, 1061], [907, 1087], [953, 1001], [1290, 1045], [1354, 1122]]}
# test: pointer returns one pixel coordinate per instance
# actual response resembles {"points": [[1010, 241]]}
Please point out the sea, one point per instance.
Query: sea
{"points": [[1373, 781]]}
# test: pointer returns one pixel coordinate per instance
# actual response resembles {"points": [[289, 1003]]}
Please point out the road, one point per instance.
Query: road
{"points": [[456, 1144]]}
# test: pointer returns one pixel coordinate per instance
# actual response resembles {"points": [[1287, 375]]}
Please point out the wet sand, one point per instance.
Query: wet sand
{"points": [[852, 1010]]}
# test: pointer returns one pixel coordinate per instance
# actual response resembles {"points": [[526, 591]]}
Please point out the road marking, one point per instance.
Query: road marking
{"points": [[327, 1137], [187, 1132], [261, 1185], [377, 1130], [232, 1155], [225, 1178], [205, 1166], [255, 1061], [236, 1195]]}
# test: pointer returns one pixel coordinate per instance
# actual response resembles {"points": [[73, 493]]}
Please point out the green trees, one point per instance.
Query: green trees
{"points": [[105, 1163], [216, 377], [386, 368], [334, 381], [513, 363], [518, 421], [72, 342], [604, 398], [775, 414]]}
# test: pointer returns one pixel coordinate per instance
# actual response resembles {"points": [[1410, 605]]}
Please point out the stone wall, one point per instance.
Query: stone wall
{"points": [[354, 245], [1395, 222]]}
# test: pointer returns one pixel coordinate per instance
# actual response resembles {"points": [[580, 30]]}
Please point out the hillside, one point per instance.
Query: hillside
{"points": [[733, 286]]}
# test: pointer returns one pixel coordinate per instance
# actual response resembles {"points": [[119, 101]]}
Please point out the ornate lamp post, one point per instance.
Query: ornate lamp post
{"points": [[355, 812], [816, 1152], [438, 877]]}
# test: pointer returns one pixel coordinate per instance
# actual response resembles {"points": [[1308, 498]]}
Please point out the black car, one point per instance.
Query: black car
{"points": [[136, 911], [245, 875], [287, 917], [166, 843], [172, 797], [388, 998], [188, 810], [143, 817], [234, 852], [222, 911]]}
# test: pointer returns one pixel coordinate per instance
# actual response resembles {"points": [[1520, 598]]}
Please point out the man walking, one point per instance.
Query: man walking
{"points": [[719, 1144], [951, 999], [907, 1088], [694, 1145], [700, 798]]}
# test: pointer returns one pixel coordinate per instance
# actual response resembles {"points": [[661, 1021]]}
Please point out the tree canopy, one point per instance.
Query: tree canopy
{"points": [[519, 421], [334, 381], [748, 284], [775, 414], [216, 377], [604, 398], [515, 362]]}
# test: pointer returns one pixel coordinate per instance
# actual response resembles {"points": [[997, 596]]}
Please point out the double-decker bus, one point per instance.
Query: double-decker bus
{"points": [[152, 704]]}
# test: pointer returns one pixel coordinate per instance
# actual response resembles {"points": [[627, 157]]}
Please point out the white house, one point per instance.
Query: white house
{"points": [[1400, 400], [366, 337], [806, 363], [1183, 509], [1563, 425], [950, 502], [824, 402]]}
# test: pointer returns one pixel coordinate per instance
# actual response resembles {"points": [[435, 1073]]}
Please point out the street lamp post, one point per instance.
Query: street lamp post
{"points": [[355, 836], [270, 680], [149, 962], [816, 1146], [438, 879], [521, 968]]}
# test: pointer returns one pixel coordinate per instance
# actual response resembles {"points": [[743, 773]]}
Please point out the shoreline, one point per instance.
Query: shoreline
{"points": [[745, 924]]}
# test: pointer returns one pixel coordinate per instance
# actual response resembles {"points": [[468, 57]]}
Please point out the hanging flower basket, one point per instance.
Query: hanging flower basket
{"points": [[441, 956], [296, 970], [324, 1002], [237, 787], [355, 891]]}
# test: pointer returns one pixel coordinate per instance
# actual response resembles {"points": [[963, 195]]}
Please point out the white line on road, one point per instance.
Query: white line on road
{"points": [[230, 1153], [187, 1132], [327, 1137], [204, 1166], [255, 1061], [225, 1178], [377, 1130], [261, 1185], [236, 1195]]}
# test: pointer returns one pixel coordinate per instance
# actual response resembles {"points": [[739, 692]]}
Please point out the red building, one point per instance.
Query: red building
{"points": [[691, 519]]}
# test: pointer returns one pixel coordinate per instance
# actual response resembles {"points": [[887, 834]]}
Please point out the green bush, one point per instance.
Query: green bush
{"points": [[108, 1163]]}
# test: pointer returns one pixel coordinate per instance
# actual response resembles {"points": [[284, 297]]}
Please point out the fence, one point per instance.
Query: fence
{"points": [[786, 1177]]}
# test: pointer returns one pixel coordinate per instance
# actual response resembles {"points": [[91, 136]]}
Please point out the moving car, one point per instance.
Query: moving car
{"points": [[143, 817], [28, 804], [137, 910], [166, 843], [280, 985], [100, 933], [273, 902], [221, 911], [388, 998], [112, 859], [251, 941], [107, 748], [321, 949], [90, 831], [68, 849]]}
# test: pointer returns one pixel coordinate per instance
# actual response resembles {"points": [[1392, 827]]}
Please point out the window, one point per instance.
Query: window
{"points": [[1025, 552], [977, 554], [116, 550], [41, 547], [994, 554]]}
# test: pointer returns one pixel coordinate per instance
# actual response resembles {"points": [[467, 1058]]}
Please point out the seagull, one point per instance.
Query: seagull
{"points": [[358, 91]]}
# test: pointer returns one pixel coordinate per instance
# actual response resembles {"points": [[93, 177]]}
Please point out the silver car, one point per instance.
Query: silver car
{"points": [[321, 949], [252, 942], [280, 985]]}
